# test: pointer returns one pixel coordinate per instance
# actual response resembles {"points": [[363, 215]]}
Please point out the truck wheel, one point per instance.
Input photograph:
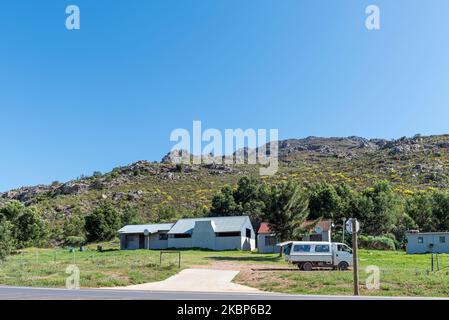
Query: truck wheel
{"points": [[343, 265], [307, 266]]}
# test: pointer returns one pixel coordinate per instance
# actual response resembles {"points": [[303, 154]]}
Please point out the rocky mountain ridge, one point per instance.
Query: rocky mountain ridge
{"points": [[417, 162]]}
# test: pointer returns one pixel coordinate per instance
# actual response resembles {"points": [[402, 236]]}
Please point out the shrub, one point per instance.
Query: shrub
{"points": [[28, 228], [102, 224], [74, 241], [130, 215], [73, 226], [6, 239], [377, 243], [31, 229]]}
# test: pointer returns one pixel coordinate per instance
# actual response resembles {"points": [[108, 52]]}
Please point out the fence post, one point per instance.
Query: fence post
{"points": [[431, 263], [438, 263]]}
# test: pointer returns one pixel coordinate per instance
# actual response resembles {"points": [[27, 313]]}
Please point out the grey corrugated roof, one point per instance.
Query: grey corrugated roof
{"points": [[222, 224], [140, 228], [426, 233]]}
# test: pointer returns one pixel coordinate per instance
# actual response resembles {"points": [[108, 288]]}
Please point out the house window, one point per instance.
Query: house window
{"points": [[301, 248], [270, 241], [442, 239], [322, 248], [420, 240], [181, 235], [248, 233], [228, 234], [163, 236]]}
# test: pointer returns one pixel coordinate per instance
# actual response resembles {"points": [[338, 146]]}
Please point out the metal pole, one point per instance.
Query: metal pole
{"points": [[344, 227], [354, 256]]}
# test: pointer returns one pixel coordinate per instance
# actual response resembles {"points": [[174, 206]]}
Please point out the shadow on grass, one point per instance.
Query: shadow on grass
{"points": [[108, 250], [192, 249], [275, 269]]}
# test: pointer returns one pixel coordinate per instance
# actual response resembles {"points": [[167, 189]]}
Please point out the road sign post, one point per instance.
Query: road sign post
{"points": [[355, 228]]}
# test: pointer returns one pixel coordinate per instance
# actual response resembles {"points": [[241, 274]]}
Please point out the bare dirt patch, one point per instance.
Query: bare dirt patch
{"points": [[253, 274]]}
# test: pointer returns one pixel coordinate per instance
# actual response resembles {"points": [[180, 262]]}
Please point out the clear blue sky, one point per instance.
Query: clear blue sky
{"points": [[72, 102]]}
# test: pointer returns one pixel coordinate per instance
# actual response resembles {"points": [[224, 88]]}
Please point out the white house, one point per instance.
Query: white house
{"points": [[215, 233], [318, 231], [144, 236], [427, 242]]}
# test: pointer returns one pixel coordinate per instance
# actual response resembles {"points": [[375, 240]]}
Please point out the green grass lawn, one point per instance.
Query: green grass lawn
{"points": [[400, 274], [112, 267]]}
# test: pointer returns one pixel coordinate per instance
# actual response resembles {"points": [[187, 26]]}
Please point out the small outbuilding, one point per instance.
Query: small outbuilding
{"points": [[427, 242], [144, 236], [317, 231], [266, 240]]}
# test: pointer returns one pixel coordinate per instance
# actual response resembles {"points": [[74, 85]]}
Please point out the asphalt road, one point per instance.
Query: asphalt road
{"points": [[25, 293]]}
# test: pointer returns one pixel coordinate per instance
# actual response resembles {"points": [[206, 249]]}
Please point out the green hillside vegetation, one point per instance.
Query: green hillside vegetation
{"points": [[391, 186]]}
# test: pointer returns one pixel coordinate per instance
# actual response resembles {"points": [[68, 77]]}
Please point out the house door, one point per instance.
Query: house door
{"points": [[141, 241], [316, 237]]}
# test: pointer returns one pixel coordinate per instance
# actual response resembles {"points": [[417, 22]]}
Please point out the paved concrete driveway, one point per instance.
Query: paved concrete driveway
{"points": [[196, 280]]}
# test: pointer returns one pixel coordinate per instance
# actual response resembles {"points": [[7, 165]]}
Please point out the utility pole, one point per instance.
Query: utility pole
{"points": [[344, 227], [354, 256]]}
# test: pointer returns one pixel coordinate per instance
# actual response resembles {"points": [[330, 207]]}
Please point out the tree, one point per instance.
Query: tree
{"points": [[378, 209], [31, 229], [11, 210], [440, 205], [168, 214], [97, 174], [102, 224], [404, 224], [223, 203], [27, 226], [420, 208], [324, 202], [7, 243], [286, 209], [130, 215], [248, 198]]}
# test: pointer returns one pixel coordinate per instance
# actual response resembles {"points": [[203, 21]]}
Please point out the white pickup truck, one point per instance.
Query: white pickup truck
{"points": [[309, 254]]}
